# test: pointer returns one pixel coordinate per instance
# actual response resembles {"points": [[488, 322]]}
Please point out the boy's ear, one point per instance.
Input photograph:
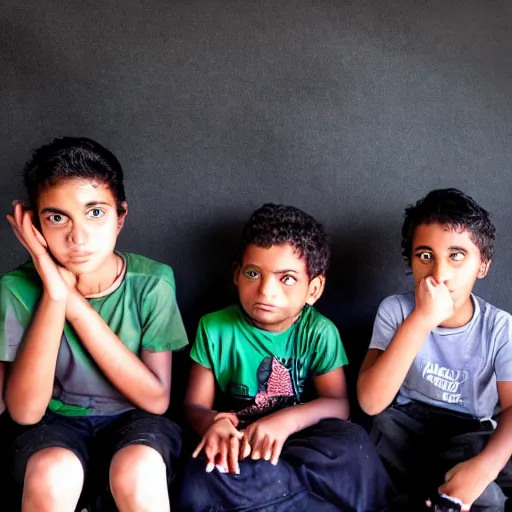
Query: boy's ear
{"points": [[484, 268], [236, 273], [316, 288], [122, 216]]}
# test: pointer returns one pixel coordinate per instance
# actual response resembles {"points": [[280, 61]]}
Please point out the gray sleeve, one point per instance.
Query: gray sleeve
{"points": [[503, 359], [388, 320]]}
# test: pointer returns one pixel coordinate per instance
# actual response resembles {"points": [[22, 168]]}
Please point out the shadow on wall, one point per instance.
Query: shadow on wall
{"points": [[207, 273], [364, 263]]}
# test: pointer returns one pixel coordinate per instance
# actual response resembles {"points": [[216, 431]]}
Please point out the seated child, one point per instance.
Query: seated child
{"points": [[264, 447], [439, 366], [86, 335]]}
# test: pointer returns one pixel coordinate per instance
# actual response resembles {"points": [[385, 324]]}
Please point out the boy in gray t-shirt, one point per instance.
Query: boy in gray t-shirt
{"points": [[439, 366]]}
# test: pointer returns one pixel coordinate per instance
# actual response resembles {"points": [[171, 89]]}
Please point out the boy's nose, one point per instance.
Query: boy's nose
{"points": [[267, 287], [442, 272], [78, 235]]}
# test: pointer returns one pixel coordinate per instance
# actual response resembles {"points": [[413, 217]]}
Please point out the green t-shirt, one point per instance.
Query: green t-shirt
{"points": [[142, 312], [259, 371]]}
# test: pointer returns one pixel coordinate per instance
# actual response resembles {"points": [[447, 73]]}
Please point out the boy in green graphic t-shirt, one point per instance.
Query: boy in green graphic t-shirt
{"points": [[265, 447], [86, 335]]}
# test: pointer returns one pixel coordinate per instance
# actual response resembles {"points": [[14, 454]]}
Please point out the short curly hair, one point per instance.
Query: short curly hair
{"points": [[73, 158], [453, 208], [278, 224]]}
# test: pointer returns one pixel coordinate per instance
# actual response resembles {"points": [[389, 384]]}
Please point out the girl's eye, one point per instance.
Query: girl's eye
{"points": [[251, 274], [457, 256], [289, 280], [424, 256], [56, 218], [96, 213]]}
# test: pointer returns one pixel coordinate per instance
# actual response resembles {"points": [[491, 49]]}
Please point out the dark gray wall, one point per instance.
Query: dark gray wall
{"points": [[348, 109]]}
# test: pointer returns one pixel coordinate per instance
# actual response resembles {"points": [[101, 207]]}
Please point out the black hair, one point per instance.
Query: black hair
{"points": [[277, 224], [453, 208], [73, 158]]}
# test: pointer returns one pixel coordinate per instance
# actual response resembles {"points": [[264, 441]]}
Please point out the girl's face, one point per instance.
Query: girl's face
{"points": [[80, 223]]}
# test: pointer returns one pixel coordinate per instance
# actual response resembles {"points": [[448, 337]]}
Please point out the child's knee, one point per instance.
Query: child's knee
{"points": [[51, 471], [137, 471]]}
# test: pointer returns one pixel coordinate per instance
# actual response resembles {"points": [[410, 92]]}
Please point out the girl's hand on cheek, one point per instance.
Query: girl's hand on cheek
{"points": [[22, 223]]}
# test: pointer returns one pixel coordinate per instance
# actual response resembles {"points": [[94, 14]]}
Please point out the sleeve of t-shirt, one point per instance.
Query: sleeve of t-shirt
{"points": [[503, 360], [329, 352], [200, 352], [163, 328], [14, 319], [387, 322]]}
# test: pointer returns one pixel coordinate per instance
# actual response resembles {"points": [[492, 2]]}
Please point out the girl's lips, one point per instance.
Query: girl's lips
{"points": [[79, 257]]}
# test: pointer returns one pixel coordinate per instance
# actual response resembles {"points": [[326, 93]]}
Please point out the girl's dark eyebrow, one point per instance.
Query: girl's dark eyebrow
{"points": [[422, 248], [96, 203], [53, 210]]}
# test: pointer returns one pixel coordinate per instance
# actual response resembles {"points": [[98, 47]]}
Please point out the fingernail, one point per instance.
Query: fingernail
{"points": [[15, 202], [274, 462], [210, 467], [221, 469]]}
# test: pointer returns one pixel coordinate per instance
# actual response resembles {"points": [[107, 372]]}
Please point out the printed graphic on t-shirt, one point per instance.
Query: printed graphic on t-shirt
{"points": [[276, 389], [443, 383]]}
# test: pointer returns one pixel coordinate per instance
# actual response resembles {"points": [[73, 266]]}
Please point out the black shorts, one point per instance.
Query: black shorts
{"points": [[95, 439]]}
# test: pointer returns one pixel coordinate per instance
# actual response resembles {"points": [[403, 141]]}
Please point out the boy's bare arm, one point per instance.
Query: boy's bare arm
{"points": [[332, 401], [146, 382], [382, 373], [199, 398], [199, 401], [29, 388], [30, 385], [467, 480], [498, 450], [220, 437]]}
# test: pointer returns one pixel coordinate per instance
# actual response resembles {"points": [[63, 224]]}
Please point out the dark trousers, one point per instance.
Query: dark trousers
{"points": [[420, 443], [328, 467]]}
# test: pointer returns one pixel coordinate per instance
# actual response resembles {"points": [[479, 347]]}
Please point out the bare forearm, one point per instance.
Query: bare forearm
{"points": [[378, 385], [498, 450], [304, 415], [124, 369], [30, 385], [199, 418]]}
